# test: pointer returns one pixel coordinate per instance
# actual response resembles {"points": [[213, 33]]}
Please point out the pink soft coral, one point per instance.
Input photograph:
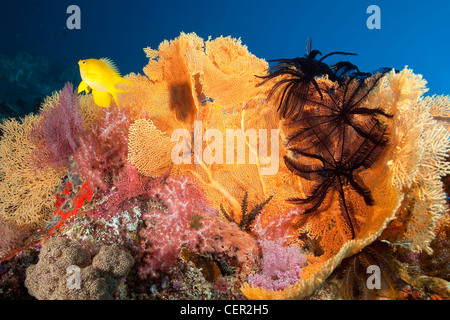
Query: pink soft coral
{"points": [[176, 214], [181, 225], [130, 187], [103, 151]]}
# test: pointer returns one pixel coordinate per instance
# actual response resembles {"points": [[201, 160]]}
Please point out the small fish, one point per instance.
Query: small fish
{"points": [[101, 76]]}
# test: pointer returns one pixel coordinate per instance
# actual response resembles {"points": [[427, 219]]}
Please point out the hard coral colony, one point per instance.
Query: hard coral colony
{"points": [[364, 159]]}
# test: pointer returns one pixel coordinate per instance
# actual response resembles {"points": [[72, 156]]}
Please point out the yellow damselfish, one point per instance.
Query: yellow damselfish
{"points": [[102, 76]]}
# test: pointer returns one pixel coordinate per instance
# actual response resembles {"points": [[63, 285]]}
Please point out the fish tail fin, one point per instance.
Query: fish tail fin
{"points": [[83, 87], [101, 98], [120, 80], [114, 94]]}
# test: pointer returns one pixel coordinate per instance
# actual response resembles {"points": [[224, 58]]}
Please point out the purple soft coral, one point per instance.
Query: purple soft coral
{"points": [[56, 135], [280, 266]]}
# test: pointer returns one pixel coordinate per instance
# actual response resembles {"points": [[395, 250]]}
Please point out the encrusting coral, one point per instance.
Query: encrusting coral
{"points": [[51, 278]]}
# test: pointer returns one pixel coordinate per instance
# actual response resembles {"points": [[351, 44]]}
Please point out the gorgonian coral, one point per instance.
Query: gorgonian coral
{"points": [[26, 196], [247, 216], [11, 237], [277, 227], [222, 85], [149, 148], [358, 156], [393, 174]]}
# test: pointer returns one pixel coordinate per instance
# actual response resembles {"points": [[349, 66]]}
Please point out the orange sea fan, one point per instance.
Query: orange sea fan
{"points": [[89, 111], [183, 73], [196, 85], [426, 202], [170, 65], [149, 149], [439, 108], [226, 183], [227, 73], [150, 98], [191, 80]]}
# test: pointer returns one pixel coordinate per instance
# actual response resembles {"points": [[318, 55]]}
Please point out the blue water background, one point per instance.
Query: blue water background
{"points": [[413, 33]]}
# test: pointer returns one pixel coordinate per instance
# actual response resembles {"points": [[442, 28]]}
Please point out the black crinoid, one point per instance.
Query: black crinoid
{"points": [[301, 78], [247, 218], [334, 139]]}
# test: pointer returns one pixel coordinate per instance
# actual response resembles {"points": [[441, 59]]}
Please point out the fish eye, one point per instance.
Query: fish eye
{"points": [[84, 61]]}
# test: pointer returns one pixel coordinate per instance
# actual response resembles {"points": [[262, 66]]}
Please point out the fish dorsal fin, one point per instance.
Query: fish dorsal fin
{"points": [[111, 65]]}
